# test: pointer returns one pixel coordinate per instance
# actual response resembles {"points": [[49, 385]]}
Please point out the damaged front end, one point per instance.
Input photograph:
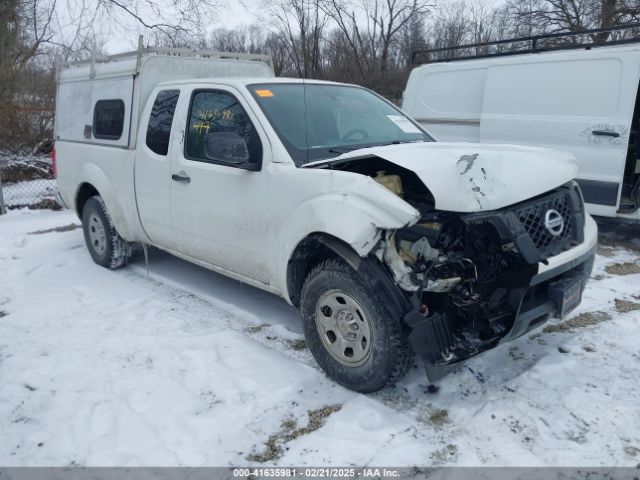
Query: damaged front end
{"points": [[473, 278]]}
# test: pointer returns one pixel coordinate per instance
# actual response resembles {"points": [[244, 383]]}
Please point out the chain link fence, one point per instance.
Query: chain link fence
{"points": [[26, 182]]}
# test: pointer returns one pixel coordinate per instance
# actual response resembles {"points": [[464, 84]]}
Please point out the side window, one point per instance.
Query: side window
{"points": [[108, 119], [220, 131], [159, 129]]}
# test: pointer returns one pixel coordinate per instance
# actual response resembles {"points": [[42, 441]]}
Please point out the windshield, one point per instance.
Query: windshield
{"points": [[316, 121]]}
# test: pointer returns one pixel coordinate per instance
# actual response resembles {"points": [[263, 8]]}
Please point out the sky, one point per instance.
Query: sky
{"points": [[230, 14]]}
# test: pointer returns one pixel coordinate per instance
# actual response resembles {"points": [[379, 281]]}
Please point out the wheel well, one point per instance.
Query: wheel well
{"points": [[85, 192], [312, 250]]}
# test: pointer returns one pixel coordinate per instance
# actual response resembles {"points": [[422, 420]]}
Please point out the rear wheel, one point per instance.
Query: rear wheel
{"points": [[106, 247], [350, 332]]}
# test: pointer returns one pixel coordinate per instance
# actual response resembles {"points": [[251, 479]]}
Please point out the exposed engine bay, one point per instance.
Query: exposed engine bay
{"points": [[467, 280], [469, 274]]}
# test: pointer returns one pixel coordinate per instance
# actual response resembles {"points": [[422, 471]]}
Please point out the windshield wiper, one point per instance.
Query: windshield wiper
{"points": [[343, 149], [399, 142], [360, 147]]}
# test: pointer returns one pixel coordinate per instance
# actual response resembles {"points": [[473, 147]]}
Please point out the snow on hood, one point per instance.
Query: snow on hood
{"points": [[471, 177]]}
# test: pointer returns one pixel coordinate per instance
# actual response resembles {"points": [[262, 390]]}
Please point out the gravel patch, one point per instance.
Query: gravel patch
{"points": [[624, 306], [625, 268], [583, 320], [289, 431]]}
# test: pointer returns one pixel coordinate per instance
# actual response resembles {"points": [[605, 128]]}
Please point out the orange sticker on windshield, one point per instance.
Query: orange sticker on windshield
{"points": [[264, 93]]}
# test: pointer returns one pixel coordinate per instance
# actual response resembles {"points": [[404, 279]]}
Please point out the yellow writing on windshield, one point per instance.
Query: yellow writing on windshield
{"points": [[208, 115], [202, 127]]}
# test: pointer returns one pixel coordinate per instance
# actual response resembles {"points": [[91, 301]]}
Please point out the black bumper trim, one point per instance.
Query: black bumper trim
{"points": [[599, 192], [534, 316]]}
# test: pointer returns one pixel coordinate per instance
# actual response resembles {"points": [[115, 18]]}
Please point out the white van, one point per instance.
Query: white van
{"points": [[583, 101]]}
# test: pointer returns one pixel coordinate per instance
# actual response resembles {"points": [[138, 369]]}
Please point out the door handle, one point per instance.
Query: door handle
{"points": [[606, 133], [181, 177]]}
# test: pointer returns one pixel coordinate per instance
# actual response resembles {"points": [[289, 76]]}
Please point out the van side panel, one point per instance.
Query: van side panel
{"points": [[560, 104], [448, 103], [580, 101]]}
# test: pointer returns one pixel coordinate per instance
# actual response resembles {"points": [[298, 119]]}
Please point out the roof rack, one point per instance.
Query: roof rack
{"points": [[533, 47], [174, 52]]}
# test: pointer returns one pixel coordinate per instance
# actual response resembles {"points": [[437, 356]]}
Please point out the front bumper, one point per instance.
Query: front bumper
{"points": [[539, 303], [540, 300]]}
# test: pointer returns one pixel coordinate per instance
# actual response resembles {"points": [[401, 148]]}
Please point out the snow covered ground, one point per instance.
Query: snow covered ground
{"points": [[185, 367]]}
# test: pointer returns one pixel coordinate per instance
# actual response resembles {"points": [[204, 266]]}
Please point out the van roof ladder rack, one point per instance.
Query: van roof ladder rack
{"points": [[536, 44]]}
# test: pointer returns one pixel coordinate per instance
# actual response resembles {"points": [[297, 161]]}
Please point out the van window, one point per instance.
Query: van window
{"points": [[160, 120], [220, 131], [567, 88], [108, 119]]}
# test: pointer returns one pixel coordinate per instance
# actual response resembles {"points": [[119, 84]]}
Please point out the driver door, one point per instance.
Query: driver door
{"points": [[218, 204]]}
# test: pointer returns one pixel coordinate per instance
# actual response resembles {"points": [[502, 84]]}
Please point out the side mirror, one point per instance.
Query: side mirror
{"points": [[226, 147]]}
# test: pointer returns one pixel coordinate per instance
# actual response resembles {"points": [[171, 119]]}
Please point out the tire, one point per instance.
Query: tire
{"points": [[106, 247], [334, 299]]}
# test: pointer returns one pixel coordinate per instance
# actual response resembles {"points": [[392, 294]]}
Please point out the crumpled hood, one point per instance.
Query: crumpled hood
{"points": [[471, 177]]}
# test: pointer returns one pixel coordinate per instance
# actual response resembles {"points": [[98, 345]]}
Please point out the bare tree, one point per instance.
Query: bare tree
{"points": [[300, 26], [248, 39], [34, 34], [26, 82], [413, 38], [551, 16], [372, 28]]}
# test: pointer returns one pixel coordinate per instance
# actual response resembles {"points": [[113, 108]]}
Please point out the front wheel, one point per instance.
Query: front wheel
{"points": [[106, 247], [350, 332]]}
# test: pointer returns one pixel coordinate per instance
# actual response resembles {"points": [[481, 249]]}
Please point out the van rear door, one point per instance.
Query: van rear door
{"points": [[581, 105]]}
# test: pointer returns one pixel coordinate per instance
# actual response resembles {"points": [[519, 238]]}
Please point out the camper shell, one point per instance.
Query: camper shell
{"points": [[92, 92], [580, 98]]}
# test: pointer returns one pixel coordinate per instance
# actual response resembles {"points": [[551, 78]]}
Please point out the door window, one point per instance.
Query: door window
{"points": [[220, 131], [159, 128]]}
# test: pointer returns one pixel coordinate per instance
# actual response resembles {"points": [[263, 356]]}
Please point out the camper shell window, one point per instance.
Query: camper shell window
{"points": [[108, 119]]}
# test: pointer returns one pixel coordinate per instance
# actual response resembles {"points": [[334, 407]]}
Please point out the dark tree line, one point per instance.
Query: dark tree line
{"points": [[367, 42], [35, 35], [370, 42]]}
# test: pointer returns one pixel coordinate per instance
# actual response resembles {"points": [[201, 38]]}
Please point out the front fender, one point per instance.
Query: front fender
{"points": [[356, 217]]}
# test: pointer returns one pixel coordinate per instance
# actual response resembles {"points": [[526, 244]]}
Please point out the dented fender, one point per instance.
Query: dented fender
{"points": [[357, 216]]}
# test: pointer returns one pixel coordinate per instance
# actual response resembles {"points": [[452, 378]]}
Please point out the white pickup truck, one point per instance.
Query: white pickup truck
{"points": [[392, 245]]}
